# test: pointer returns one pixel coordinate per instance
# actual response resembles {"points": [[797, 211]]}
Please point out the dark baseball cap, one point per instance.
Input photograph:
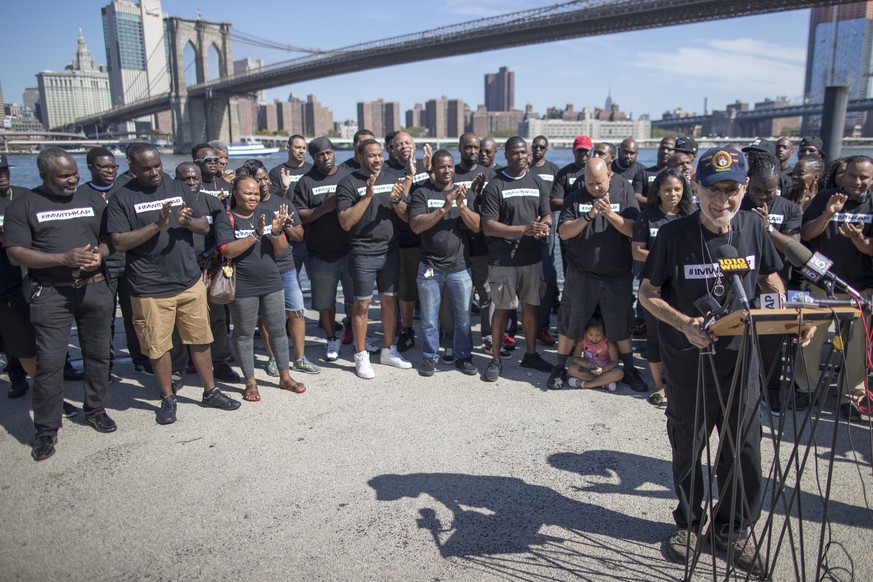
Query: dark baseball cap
{"points": [[4, 163], [719, 164], [761, 145], [686, 144], [812, 141]]}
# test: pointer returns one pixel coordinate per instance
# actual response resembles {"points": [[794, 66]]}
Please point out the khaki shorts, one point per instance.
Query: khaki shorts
{"points": [[509, 285], [154, 319]]}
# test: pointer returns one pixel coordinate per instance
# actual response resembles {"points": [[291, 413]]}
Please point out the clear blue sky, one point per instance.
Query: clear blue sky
{"points": [[648, 71]]}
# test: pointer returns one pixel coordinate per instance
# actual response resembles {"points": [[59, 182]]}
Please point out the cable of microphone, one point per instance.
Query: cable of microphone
{"points": [[815, 267], [732, 266]]}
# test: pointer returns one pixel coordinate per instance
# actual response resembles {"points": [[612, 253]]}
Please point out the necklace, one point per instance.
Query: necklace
{"points": [[251, 225], [718, 286]]}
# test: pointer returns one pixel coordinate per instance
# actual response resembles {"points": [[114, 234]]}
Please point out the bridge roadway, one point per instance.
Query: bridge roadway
{"points": [[575, 19]]}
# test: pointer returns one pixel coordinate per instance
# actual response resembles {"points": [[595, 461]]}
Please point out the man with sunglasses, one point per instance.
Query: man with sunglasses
{"points": [[212, 181]]}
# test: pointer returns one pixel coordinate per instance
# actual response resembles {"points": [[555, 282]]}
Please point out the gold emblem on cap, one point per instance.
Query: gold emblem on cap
{"points": [[721, 160]]}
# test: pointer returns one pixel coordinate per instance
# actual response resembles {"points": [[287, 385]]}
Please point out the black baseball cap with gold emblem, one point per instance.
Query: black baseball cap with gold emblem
{"points": [[719, 164]]}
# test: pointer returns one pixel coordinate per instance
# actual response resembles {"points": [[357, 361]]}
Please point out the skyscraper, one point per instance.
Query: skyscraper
{"points": [[379, 116], [80, 90], [136, 50], [500, 90], [839, 53]]}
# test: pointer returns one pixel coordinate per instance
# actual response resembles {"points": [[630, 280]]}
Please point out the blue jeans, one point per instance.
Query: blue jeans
{"points": [[459, 289]]}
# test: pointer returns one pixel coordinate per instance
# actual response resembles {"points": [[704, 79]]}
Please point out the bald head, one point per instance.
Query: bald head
{"points": [[487, 151], [627, 152], [597, 177]]}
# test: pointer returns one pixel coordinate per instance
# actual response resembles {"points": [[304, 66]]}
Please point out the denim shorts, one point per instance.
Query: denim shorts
{"points": [[324, 276], [293, 294], [381, 270]]}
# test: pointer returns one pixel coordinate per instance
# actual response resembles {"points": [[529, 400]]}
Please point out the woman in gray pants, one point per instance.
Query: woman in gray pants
{"points": [[242, 235]]}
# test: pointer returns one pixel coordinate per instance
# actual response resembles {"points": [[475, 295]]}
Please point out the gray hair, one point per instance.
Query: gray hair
{"points": [[218, 145], [46, 159]]}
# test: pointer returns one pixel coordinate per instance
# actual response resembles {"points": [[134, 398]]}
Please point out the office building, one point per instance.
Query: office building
{"points": [[379, 116], [80, 90], [500, 90]]}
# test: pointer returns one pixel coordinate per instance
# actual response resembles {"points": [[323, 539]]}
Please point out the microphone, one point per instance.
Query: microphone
{"points": [[732, 266], [816, 269]]}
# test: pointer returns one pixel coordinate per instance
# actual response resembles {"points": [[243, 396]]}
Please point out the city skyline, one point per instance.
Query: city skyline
{"points": [[648, 72]]}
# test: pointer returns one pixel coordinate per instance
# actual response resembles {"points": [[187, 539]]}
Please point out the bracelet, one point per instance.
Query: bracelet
{"points": [[255, 237], [409, 177], [588, 216], [396, 201]]}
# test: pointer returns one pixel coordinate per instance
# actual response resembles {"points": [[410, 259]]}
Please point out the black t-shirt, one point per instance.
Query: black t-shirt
{"points": [[635, 174], [444, 246], [685, 272], [376, 232], [217, 187], [212, 207], [115, 262], [648, 224], [650, 174], [514, 202], [325, 238], [600, 249], [405, 237], [786, 217], [296, 173], [478, 246], [350, 165], [165, 264], [270, 207], [10, 275], [850, 264], [546, 174], [45, 222], [257, 273], [565, 179]]}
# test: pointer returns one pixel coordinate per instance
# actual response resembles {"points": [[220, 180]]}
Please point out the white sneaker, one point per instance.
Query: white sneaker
{"points": [[391, 357], [371, 345], [362, 366], [333, 349]]}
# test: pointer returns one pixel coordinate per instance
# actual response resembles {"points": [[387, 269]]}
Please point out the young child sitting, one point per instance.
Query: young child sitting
{"points": [[595, 360]]}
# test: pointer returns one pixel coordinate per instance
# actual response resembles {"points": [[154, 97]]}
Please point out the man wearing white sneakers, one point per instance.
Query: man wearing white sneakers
{"points": [[369, 204]]}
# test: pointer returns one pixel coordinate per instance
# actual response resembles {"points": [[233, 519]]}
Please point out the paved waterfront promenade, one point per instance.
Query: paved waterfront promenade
{"points": [[398, 478]]}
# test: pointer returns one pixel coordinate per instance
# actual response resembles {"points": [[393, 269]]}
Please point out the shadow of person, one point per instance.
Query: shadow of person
{"points": [[494, 515], [627, 473]]}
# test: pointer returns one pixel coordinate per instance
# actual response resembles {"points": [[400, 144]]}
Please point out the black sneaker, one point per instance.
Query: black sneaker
{"points": [[215, 398], [101, 423], [222, 371], [166, 414], [492, 373], [634, 381], [18, 388], [741, 553], [72, 374], [505, 354], [801, 400], [448, 356], [427, 368], [465, 366], [144, 367], [682, 545], [43, 447], [850, 412], [406, 340], [536, 362], [69, 410], [557, 378]]}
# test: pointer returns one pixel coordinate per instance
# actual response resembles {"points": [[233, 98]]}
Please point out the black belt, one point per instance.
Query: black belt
{"points": [[75, 283]]}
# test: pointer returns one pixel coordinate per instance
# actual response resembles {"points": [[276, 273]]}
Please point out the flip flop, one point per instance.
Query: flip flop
{"points": [[292, 386], [251, 394]]}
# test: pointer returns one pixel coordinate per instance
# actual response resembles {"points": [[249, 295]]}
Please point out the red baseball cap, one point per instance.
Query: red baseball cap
{"points": [[582, 141]]}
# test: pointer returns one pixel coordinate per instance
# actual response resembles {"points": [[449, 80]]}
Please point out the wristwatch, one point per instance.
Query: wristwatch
{"points": [[769, 227]]}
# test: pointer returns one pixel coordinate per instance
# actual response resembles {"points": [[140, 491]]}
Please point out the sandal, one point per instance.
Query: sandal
{"points": [[291, 385], [657, 399], [251, 394], [861, 401]]}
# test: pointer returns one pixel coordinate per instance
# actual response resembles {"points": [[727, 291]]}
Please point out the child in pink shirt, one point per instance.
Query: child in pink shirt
{"points": [[595, 361]]}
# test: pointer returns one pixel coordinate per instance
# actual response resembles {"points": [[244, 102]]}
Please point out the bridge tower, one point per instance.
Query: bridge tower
{"points": [[214, 116]]}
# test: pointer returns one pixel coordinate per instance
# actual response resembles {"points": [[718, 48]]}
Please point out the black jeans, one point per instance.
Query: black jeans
{"points": [[122, 297], [52, 315]]}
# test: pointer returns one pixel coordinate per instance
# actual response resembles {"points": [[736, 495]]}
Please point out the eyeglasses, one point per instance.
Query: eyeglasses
{"points": [[112, 167], [209, 160], [726, 193]]}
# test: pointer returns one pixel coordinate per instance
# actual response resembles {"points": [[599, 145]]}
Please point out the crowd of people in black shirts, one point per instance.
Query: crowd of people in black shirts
{"points": [[453, 238]]}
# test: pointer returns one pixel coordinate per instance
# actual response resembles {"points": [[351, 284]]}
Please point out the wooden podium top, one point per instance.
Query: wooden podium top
{"points": [[780, 321]]}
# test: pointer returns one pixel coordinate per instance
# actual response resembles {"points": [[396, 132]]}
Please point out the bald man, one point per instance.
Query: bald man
{"points": [[627, 166], [596, 224]]}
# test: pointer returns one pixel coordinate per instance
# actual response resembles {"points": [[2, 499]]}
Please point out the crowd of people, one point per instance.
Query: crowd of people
{"points": [[451, 239]]}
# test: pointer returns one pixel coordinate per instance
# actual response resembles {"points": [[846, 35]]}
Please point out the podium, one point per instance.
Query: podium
{"points": [[780, 321]]}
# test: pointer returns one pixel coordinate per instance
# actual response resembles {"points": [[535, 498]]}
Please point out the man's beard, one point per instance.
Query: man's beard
{"points": [[59, 191]]}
